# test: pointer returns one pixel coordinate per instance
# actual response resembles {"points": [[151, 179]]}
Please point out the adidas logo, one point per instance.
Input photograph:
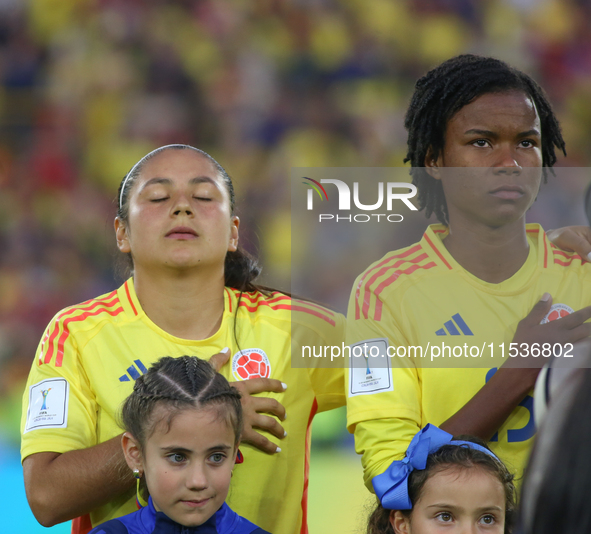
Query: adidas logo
{"points": [[133, 372], [452, 327]]}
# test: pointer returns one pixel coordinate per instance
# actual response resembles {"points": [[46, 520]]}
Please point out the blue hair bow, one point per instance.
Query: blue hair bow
{"points": [[391, 487]]}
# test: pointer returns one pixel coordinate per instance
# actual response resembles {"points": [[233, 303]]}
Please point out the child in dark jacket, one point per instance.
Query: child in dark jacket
{"points": [[183, 423]]}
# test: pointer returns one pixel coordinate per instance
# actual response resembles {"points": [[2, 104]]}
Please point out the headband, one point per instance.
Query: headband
{"points": [[391, 487], [140, 162]]}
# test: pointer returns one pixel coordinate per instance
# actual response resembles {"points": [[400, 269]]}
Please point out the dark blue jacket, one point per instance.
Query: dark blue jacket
{"points": [[148, 521]]}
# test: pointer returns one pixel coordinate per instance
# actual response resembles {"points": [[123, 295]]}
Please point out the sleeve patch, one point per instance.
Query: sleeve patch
{"points": [[48, 405], [370, 370]]}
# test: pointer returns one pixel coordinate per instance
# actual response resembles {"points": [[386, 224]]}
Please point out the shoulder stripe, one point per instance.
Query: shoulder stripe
{"points": [[256, 296], [258, 304], [437, 252], [276, 297], [315, 306], [129, 298], [405, 254], [378, 305], [564, 258], [89, 304], [568, 262], [322, 316], [92, 309], [253, 309], [568, 255], [106, 299], [43, 342], [289, 306], [384, 270], [380, 271], [281, 301], [66, 332], [561, 253]]}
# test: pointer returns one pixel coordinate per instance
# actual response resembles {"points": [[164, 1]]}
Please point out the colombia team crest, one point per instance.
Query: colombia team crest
{"points": [[557, 311], [251, 363]]}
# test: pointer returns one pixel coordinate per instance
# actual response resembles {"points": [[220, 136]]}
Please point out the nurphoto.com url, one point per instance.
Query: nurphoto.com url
{"points": [[442, 350]]}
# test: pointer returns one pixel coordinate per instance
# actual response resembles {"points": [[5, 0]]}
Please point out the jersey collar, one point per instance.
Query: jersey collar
{"points": [[133, 308], [432, 242], [161, 523]]}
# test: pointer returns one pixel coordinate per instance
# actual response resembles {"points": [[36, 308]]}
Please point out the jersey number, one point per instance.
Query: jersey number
{"points": [[518, 434]]}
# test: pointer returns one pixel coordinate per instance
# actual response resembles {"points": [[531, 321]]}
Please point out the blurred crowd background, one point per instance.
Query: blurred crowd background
{"points": [[87, 87]]}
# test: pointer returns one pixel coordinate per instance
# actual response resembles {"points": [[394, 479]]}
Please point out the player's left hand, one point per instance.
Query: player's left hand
{"points": [[253, 407], [573, 239]]}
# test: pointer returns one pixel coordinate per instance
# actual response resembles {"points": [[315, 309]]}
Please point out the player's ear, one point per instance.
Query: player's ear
{"points": [[399, 522], [432, 164], [132, 452], [121, 235], [234, 234]]}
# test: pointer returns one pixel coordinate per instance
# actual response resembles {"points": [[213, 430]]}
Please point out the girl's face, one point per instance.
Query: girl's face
{"points": [[491, 162], [188, 465], [454, 501], [179, 214]]}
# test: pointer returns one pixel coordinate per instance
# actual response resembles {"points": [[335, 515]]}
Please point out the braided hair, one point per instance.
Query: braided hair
{"points": [[179, 383], [441, 93]]}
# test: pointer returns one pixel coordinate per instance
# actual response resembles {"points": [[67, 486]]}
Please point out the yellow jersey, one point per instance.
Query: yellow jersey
{"points": [[420, 296], [91, 354]]}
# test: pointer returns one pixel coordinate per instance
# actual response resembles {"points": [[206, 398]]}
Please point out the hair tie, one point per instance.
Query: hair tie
{"points": [[391, 487]]}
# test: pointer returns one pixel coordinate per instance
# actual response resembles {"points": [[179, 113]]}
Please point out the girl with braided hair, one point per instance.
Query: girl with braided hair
{"points": [[191, 290], [182, 423]]}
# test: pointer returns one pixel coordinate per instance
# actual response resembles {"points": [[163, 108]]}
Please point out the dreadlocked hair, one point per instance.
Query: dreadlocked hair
{"points": [[441, 93], [177, 384], [450, 457]]}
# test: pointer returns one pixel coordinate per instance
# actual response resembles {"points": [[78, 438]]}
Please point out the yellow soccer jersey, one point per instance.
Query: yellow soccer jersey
{"points": [[91, 354], [419, 296]]}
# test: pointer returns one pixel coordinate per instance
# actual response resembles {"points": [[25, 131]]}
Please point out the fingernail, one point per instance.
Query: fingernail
{"points": [[284, 433], [285, 416], [284, 385], [224, 350], [278, 449], [589, 256], [545, 297]]}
